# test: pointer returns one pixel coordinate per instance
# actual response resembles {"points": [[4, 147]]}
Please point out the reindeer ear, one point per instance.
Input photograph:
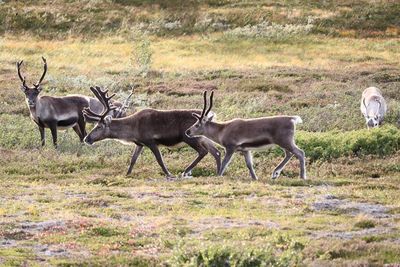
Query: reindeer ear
{"points": [[38, 88], [107, 120], [196, 116], [210, 116], [89, 117]]}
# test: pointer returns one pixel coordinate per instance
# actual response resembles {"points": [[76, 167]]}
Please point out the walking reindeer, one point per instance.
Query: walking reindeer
{"points": [[59, 112], [373, 107], [150, 128], [245, 135]]}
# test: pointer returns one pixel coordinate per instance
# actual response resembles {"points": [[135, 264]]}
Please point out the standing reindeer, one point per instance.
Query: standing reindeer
{"points": [[58, 112], [373, 106], [150, 128], [244, 135]]}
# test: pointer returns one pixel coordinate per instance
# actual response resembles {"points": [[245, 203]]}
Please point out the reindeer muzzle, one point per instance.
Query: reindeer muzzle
{"points": [[188, 133], [372, 123], [88, 140], [31, 104]]}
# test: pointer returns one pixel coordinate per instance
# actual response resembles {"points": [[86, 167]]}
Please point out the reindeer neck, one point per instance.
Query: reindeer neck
{"points": [[213, 131], [122, 128], [33, 111]]}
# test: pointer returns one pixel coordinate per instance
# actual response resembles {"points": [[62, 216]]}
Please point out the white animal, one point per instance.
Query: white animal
{"points": [[373, 107]]}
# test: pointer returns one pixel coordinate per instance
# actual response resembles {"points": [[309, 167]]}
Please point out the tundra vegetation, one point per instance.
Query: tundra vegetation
{"points": [[74, 206]]}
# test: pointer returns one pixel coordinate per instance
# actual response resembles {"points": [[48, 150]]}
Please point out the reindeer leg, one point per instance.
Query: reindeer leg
{"points": [[159, 159], [42, 135], [196, 145], [227, 159], [281, 165], [82, 127], [53, 129], [78, 132], [301, 156], [215, 153], [249, 163], [135, 155]]}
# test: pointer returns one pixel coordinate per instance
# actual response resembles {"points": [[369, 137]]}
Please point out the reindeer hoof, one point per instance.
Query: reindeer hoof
{"points": [[170, 177], [275, 174], [187, 175]]}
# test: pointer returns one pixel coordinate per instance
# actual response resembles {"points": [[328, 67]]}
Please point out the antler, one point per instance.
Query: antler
{"points": [[204, 106], [22, 78], [104, 99], [211, 103], [364, 103], [126, 102], [44, 72], [124, 106], [380, 104], [204, 112]]}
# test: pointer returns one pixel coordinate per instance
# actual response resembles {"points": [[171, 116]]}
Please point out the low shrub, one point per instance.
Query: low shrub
{"points": [[365, 224], [271, 31], [104, 231], [270, 255], [333, 144]]}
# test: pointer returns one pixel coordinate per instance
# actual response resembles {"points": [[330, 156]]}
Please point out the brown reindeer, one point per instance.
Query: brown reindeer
{"points": [[150, 128], [245, 135], [59, 112]]}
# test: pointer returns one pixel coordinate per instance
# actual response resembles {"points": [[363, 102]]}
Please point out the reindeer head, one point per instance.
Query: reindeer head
{"points": [[102, 129], [202, 120], [31, 93], [373, 116]]}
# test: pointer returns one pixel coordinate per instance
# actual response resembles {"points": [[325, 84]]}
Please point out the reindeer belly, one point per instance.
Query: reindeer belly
{"points": [[173, 141], [61, 125], [63, 119], [255, 145], [67, 123]]}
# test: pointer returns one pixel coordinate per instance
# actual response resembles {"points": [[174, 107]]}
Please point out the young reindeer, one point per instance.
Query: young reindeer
{"points": [[58, 112], [244, 135], [150, 128], [373, 107]]}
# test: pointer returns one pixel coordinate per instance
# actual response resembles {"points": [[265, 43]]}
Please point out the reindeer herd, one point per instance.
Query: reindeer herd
{"points": [[151, 127]]}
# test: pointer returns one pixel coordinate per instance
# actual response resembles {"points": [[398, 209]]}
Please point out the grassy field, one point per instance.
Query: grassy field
{"points": [[75, 207]]}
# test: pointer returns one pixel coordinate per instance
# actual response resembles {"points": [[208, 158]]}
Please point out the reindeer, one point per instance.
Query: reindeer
{"points": [[59, 112], [245, 135], [373, 107], [150, 128]]}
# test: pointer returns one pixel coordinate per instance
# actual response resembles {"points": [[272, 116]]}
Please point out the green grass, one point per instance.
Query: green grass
{"points": [[365, 224]]}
